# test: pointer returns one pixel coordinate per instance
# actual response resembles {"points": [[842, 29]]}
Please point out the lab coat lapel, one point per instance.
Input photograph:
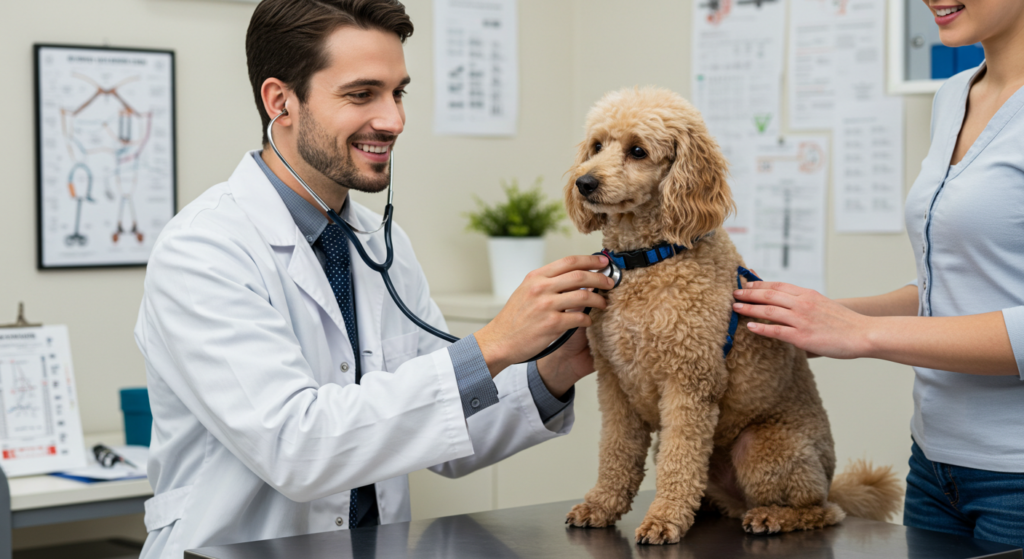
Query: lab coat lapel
{"points": [[305, 269], [258, 198], [368, 285]]}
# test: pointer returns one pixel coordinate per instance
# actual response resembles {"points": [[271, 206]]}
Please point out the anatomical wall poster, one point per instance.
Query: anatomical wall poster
{"points": [[105, 154]]}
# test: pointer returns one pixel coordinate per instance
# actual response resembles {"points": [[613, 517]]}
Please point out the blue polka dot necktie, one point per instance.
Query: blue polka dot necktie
{"points": [[338, 267]]}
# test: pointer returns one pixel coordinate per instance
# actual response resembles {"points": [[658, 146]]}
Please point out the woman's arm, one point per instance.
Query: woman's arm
{"points": [[902, 302], [975, 344]]}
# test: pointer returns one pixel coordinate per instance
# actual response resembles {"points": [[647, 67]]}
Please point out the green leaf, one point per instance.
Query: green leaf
{"points": [[523, 214]]}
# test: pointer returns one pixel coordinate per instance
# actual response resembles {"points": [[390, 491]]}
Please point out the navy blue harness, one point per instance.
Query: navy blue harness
{"points": [[644, 257], [735, 320]]}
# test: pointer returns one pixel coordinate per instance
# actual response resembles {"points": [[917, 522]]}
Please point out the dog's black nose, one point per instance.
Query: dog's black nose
{"points": [[587, 184]]}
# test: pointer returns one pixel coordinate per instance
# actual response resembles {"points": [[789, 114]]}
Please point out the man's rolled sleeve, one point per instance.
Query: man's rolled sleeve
{"points": [[472, 375], [547, 405], [1014, 318]]}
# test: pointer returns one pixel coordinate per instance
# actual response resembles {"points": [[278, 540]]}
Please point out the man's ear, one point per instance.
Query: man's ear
{"points": [[275, 94], [695, 197], [585, 220]]}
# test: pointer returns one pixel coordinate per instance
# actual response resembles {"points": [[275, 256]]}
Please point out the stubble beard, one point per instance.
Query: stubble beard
{"points": [[320, 150]]}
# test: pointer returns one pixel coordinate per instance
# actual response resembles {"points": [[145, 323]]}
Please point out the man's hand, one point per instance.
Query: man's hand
{"points": [[568, 364], [535, 313]]}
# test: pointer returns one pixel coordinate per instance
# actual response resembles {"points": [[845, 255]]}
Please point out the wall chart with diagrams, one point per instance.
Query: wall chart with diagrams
{"points": [[40, 423], [105, 153]]}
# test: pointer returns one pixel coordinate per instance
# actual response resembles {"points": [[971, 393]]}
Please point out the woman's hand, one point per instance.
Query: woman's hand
{"points": [[804, 318]]}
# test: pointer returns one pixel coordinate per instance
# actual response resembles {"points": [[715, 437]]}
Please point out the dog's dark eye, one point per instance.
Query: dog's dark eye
{"points": [[597, 147], [637, 152]]}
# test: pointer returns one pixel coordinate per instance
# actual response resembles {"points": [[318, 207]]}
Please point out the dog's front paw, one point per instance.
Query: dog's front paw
{"points": [[657, 531], [589, 515]]}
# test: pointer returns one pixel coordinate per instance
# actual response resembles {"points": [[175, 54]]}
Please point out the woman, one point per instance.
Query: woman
{"points": [[962, 325]]}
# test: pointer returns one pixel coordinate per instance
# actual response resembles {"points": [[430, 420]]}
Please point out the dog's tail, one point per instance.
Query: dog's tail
{"points": [[865, 491]]}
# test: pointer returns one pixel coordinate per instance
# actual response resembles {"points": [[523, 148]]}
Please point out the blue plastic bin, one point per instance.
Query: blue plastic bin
{"points": [[138, 419], [947, 61], [969, 56], [943, 61]]}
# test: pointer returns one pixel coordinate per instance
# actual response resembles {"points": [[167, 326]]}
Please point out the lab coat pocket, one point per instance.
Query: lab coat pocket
{"points": [[398, 350], [165, 508]]}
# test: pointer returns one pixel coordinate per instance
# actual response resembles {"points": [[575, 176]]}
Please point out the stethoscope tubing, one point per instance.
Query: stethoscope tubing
{"points": [[384, 267]]}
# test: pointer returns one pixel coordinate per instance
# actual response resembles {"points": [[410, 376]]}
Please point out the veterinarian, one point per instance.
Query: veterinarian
{"points": [[289, 394], [961, 324]]}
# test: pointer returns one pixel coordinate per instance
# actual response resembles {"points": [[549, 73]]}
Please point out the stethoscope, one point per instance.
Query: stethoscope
{"points": [[383, 267]]}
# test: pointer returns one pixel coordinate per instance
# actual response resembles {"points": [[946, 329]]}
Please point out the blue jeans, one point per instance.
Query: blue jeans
{"points": [[964, 501]]}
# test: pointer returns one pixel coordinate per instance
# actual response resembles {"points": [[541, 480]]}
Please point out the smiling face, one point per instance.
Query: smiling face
{"points": [[965, 22], [353, 111]]}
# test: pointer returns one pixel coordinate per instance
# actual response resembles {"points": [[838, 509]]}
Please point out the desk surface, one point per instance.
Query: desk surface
{"points": [[539, 532], [33, 492]]}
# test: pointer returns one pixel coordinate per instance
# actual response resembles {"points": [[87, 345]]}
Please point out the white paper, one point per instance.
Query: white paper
{"points": [[789, 205], [138, 455], [476, 67], [106, 154], [869, 167], [40, 426], [737, 81], [836, 55], [837, 80]]}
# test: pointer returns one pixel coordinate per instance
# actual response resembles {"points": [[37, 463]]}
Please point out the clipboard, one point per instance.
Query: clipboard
{"points": [[40, 420]]}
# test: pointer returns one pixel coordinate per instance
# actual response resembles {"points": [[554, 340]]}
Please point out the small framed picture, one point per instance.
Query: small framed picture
{"points": [[106, 181]]}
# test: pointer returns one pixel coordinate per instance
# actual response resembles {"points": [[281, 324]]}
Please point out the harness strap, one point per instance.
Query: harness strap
{"points": [[734, 321]]}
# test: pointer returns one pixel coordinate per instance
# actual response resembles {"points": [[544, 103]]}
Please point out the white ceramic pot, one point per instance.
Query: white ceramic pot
{"points": [[511, 259]]}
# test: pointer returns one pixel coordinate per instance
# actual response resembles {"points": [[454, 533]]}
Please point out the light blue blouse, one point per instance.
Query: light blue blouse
{"points": [[966, 225]]}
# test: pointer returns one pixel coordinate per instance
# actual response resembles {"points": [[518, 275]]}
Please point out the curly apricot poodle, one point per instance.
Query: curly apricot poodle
{"points": [[745, 432]]}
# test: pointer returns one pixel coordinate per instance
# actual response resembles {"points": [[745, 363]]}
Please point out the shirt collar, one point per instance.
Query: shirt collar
{"points": [[307, 217]]}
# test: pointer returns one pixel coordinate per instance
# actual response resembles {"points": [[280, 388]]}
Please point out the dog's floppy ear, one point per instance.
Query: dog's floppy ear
{"points": [[695, 198], [585, 220]]}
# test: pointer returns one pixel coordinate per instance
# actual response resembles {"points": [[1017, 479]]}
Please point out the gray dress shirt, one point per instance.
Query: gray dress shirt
{"points": [[476, 388]]}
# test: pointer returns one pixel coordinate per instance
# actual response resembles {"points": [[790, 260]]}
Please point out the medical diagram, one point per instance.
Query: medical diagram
{"points": [[110, 136], [106, 154]]}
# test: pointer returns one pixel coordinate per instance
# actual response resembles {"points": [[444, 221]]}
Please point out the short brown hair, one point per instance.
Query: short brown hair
{"points": [[286, 38]]}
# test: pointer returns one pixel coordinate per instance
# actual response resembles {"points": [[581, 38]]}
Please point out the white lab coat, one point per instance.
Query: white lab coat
{"points": [[259, 430]]}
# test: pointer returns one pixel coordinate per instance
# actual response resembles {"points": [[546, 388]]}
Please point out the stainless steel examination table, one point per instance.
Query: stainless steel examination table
{"points": [[539, 532]]}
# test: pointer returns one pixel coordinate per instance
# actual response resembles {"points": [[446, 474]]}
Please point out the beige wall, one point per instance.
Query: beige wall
{"points": [[571, 52]]}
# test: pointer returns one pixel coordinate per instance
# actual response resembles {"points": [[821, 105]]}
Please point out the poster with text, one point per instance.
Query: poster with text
{"points": [[737, 86], [790, 184], [476, 67]]}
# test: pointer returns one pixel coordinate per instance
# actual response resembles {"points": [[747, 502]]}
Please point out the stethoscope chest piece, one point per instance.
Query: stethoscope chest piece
{"points": [[612, 271]]}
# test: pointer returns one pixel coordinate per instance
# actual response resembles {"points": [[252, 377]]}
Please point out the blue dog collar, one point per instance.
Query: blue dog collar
{"points": [[644, 257]]}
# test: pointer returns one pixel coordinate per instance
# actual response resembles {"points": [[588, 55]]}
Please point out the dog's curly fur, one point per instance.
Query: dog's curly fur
{"points": [[747, 433]]}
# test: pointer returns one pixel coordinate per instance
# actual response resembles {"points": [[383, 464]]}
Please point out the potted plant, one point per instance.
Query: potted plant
{"points": [[516, 229]]}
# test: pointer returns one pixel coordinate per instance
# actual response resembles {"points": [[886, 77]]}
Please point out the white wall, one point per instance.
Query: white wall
{"points": [[571, 52]]}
